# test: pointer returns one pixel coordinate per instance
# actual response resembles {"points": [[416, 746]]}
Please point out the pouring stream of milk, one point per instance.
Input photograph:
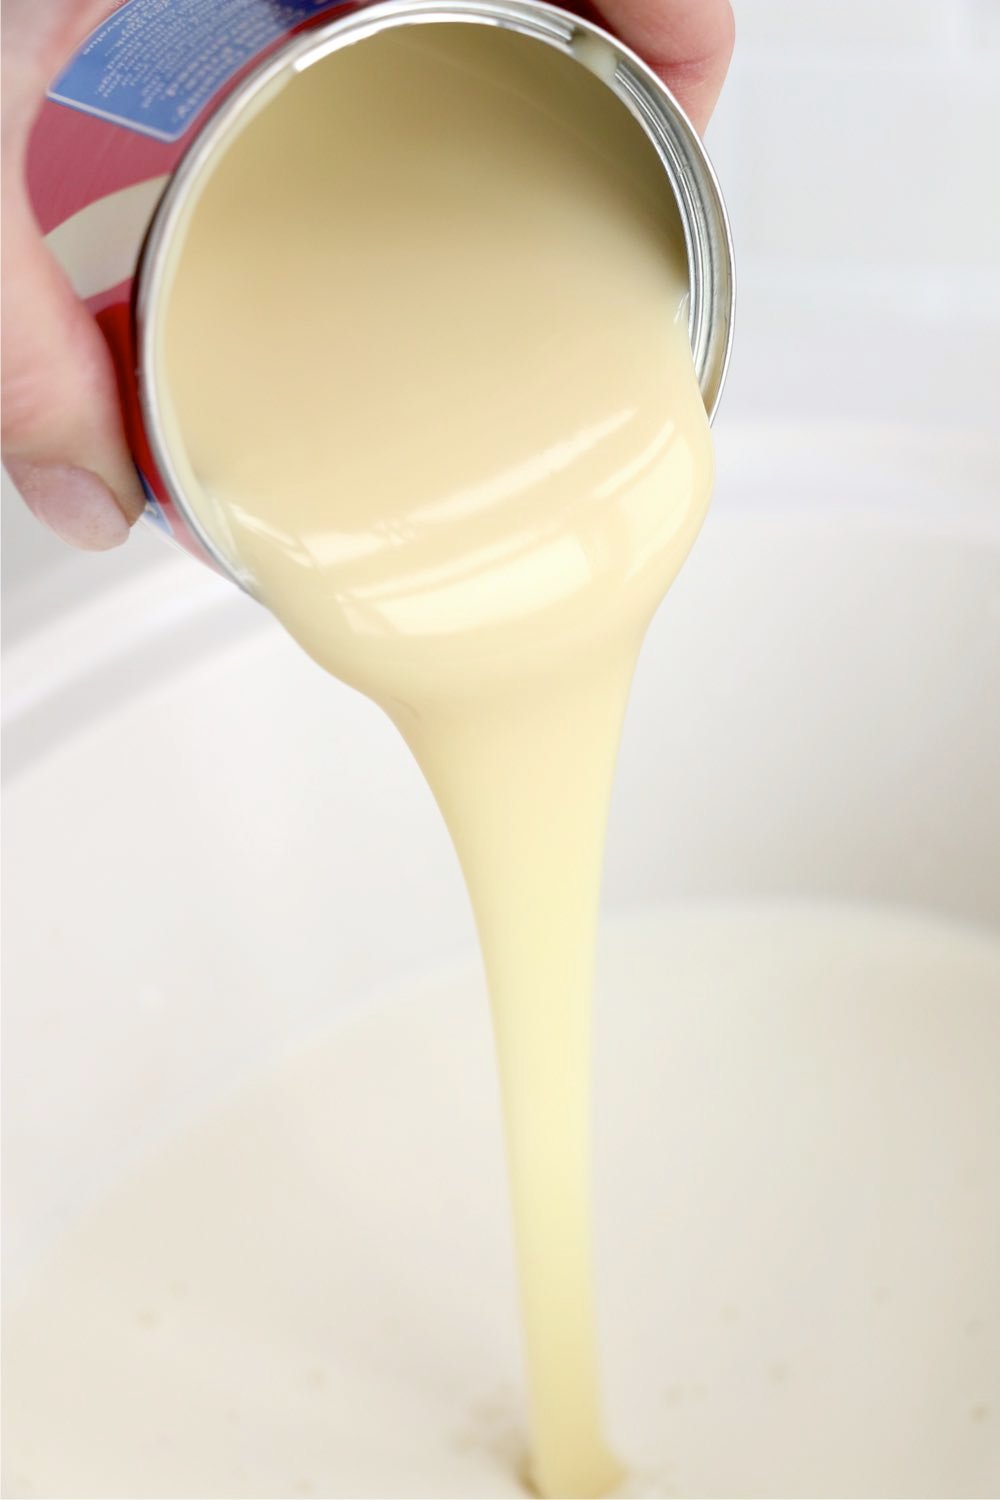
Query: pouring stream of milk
{"points": [[425, 357]]}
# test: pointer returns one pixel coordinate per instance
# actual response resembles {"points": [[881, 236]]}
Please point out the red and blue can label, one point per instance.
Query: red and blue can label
{"points": [[122, 113]]}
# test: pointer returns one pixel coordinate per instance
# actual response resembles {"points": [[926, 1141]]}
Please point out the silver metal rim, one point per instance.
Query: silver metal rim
{"points": [[707, 233]]}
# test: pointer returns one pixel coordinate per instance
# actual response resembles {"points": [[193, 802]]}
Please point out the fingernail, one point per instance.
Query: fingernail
{"points": [[74, 503]]}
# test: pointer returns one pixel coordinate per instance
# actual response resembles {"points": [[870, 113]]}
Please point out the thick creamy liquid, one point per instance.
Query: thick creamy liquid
{"points": [[309, 1292], [426, 352]]}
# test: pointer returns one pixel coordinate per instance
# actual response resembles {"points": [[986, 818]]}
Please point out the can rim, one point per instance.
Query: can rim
{"points": [[704, 219]]}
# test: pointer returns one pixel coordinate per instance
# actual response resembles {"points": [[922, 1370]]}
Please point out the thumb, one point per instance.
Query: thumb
{"points": [[687, 42], [63, 441]]}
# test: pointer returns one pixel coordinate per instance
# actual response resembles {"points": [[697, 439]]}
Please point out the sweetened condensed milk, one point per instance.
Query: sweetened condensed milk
{"points": [[434, 395]]}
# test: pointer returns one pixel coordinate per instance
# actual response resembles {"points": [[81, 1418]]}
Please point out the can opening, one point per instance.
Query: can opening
{"points": [[610, 84]]}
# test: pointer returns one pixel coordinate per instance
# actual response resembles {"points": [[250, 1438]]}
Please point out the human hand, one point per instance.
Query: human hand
{"points": [[63, 440]]}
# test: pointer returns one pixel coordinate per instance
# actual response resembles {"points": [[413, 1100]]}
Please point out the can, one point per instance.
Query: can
{"points": [[160, 87]]}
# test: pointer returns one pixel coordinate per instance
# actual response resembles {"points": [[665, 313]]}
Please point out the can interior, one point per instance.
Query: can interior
{"points": [[646, 112]]}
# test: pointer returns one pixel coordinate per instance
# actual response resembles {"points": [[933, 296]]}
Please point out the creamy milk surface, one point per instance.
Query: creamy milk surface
{"points": [[425, 354], [310, 1292]]}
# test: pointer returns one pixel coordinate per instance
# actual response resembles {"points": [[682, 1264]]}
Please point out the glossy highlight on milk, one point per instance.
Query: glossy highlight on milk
{"points": [[424, 362]]}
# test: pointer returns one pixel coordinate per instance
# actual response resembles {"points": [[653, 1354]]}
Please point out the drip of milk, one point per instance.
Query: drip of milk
{"points": [[428, 376]]}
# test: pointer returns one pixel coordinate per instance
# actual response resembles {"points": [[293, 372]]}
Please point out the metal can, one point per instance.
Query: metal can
{"points": [[161, 87]]}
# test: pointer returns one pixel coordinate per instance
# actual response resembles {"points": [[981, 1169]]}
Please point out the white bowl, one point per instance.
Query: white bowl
{"points": [[194, 813]]}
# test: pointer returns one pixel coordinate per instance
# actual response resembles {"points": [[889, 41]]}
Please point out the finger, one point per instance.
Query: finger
{"points": [[63, 440], [688, 43]]}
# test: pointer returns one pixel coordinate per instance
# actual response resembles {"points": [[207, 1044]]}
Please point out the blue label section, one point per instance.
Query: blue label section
{"points": [[154, 64], [154, 510]]}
